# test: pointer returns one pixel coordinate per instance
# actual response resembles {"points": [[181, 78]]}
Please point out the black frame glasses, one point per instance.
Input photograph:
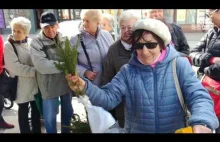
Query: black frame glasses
{"points": [[148, 45], [210, 13]]}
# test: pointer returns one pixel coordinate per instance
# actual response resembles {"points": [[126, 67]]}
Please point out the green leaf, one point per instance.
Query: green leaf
{"points": [[67, 61]]}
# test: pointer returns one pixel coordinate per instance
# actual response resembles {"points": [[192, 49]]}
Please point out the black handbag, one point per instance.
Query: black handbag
{"points": [[8, 85]]}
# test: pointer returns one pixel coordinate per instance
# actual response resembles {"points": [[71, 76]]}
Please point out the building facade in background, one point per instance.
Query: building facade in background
{"points": [[190, 20]]}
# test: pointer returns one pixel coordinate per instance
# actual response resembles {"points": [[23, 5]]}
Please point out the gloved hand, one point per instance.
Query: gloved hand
{"points": [[206, 70], [204, 59]]}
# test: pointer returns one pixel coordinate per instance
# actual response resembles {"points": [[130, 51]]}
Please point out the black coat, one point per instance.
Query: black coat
{"points": [[116, 57], [210, 45], [179, 40]]}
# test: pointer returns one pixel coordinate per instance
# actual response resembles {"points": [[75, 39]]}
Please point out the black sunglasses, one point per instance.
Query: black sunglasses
{"points": [[149, 45]]}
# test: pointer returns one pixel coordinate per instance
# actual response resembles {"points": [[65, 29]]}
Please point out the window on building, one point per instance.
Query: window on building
{"points": [[2, 22], [191, 16], [9, 14], [186, 16], [181, 16], [68, 14], [168, 15]]}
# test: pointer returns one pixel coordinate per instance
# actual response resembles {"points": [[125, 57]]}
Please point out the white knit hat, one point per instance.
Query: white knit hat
{"points": [[155, 26]]}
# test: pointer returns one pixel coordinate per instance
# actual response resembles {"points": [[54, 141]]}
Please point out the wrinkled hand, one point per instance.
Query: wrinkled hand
{"points": [[75, 82], [201, 129], [90, 74]]}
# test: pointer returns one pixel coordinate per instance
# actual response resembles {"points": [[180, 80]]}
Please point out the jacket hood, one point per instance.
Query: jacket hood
{"points": [[170, 55]]}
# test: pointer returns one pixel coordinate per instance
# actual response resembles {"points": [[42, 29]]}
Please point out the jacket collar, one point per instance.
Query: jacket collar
{"points": [[11, 40]]}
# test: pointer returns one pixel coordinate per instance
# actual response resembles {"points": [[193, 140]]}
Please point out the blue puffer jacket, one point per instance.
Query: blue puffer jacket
{"points": [[152, 104]]}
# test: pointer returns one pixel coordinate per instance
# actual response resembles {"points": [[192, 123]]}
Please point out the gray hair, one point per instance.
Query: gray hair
{"points": [[127, 15], [109, 17], [94, 14], [23, 22]]}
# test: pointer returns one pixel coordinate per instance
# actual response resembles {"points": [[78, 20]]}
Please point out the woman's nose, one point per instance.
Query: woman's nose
{"points": [[145, 49]]}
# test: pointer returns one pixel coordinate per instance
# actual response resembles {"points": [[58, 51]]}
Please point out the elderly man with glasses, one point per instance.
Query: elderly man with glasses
{"points": [[206, 55]]}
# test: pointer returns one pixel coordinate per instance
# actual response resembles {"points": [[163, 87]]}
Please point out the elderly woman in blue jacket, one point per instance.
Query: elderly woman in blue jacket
{"points": [[147, 84]]}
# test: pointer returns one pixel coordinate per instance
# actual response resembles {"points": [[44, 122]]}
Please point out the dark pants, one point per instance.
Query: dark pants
{"points": [[118, 113], [23, 120], [1, 107]]}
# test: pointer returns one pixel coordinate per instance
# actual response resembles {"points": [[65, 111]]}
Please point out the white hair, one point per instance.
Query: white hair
{"points": [[109, 17], [23, 22], [94, 14], [128, 15]]}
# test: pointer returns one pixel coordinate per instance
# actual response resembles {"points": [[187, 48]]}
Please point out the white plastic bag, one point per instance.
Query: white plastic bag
{"points": [[115, 129], [100, 120]]}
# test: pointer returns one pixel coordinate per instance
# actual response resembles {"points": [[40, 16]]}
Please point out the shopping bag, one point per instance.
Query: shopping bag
{"points": [[100, 120], [213, 88], [39, 102]]}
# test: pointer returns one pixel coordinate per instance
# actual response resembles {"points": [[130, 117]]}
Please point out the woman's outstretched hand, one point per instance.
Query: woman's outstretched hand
{"points": [[201, 129], [75, 82]]}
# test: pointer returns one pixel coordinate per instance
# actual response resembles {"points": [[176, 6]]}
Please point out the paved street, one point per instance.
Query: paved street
{"points": [[11, 115]]}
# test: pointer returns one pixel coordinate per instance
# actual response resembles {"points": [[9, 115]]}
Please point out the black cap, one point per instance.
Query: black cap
{"points": [[47, 18]]}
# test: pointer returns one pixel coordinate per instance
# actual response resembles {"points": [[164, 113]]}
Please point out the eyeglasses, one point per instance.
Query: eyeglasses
{"points": [[149, 45], [210, 13]]}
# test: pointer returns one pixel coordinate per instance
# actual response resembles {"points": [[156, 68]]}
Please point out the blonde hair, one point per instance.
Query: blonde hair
{"points": [[109, 17], [128, 15], [23, 22], [94, 14]]}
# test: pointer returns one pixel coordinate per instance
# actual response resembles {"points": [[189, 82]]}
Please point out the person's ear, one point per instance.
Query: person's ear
{"points": [[41, 26]]}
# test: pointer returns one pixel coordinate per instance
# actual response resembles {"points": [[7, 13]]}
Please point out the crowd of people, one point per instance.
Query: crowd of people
{"points": [[131, 75]]}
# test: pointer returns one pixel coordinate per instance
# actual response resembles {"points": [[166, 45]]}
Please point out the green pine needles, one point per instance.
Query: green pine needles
{"points": [[68, 59]]}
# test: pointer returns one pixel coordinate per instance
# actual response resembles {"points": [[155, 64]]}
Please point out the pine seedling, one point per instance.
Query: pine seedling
{"points": [[68, 59]]}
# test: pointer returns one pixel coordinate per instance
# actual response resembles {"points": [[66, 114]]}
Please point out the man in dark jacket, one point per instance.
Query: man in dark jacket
{"points": [[178, 37], [206, 54]]}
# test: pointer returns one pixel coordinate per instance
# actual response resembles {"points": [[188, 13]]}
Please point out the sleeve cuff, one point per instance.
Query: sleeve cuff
{"points": [[211, 60]]}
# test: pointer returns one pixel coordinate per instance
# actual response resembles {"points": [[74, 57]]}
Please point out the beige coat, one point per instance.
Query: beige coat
{"points": [[22, 67]]}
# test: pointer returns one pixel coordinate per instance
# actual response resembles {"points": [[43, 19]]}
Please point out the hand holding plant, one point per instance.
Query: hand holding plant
{"points": [[67, 63], [76, 83]]}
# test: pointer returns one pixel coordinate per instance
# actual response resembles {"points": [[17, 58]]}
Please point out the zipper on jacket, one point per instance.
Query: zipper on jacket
{"points": [[155, 99], [97, 43]]}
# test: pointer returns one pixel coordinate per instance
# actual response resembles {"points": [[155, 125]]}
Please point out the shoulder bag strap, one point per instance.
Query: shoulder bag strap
{"points": [[179, 92], [15, 50], [87, 56]]}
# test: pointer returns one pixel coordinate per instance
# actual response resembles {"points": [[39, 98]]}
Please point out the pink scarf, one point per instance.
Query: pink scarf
{"points": [[161, 57]]}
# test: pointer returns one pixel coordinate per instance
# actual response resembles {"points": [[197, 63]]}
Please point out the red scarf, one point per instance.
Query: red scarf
{"points": [[1, 54]]}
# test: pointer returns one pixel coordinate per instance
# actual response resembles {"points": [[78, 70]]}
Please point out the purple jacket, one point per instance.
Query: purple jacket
{"points": [[96, 48]]}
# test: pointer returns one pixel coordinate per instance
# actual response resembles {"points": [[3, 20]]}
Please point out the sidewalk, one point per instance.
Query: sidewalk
{"points": [[11, 116], [193, 38]]}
